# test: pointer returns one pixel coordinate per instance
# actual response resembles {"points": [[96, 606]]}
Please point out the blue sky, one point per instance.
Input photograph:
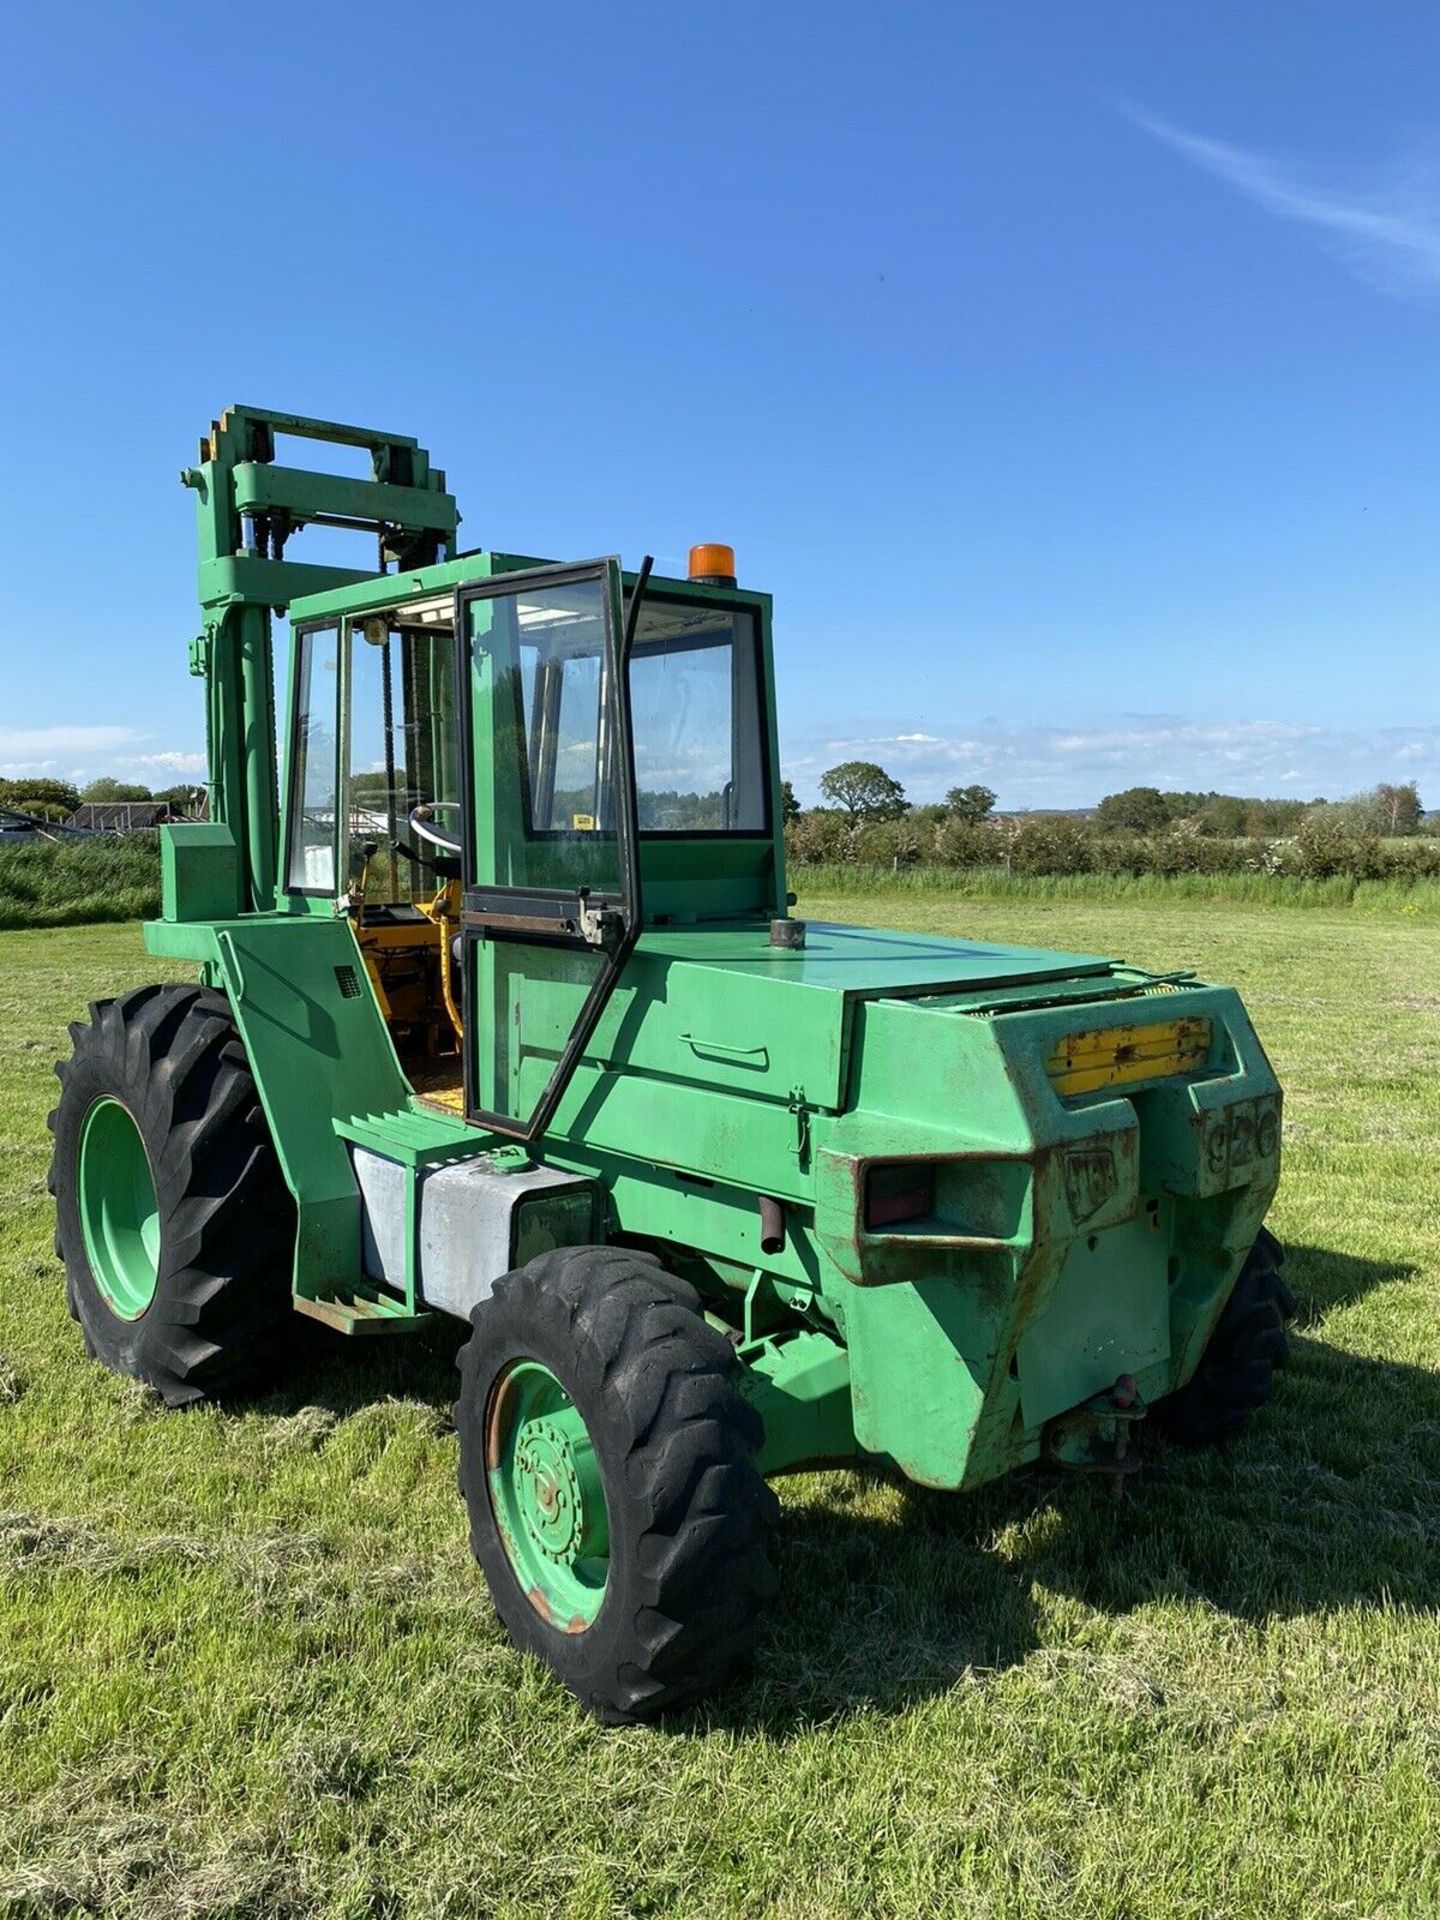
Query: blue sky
{"points": [[1068, 373]]}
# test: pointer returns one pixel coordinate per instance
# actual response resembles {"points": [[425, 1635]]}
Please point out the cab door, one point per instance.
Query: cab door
{"points": [[551, 904]]}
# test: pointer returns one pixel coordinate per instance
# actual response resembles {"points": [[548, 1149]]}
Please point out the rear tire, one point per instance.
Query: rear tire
{"points": [[172, 1217], [608, 1465], [1237, 1370]]}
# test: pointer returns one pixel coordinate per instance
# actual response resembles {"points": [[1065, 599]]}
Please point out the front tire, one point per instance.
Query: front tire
{"points": [[1236, 1373], [608, 1465], [172, 1217]]}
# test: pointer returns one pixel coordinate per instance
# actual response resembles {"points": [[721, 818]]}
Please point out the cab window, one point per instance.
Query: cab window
{"points": [[400, 749], [315, 764], [695, 702]]}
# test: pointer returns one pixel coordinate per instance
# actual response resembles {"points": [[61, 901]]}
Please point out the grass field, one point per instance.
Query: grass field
{"points": [[247, 1668], [1414, 898]]}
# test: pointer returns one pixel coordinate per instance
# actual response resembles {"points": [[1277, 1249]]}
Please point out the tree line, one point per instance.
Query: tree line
{"points": [[1378, 834], [58, 799]]}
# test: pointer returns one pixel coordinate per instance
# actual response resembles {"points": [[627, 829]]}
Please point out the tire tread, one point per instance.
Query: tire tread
{"points": [[701, 1516], [1235, 1377], [173, 1056]]}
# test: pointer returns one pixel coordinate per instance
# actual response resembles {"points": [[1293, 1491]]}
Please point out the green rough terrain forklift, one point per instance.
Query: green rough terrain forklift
{"points": [[501, 1014]]}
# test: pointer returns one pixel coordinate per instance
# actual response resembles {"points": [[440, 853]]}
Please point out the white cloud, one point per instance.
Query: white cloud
{"points": [[35, 747], [1385, 228], [1075, 766], [80, 752], [172, 761]]}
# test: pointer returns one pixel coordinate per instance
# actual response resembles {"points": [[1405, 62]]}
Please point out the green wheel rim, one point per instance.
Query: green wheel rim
{"points": [[119, 1215], [547, 1495]]}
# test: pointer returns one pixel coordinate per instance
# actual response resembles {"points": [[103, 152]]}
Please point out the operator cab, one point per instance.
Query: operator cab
{"points": [[517, 807]]}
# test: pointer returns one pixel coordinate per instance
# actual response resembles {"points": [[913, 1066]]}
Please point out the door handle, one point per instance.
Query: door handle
{"points": [[722, 1050]]}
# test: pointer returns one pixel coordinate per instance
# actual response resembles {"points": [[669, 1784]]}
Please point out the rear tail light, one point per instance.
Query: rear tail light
{"points": [[896, 1194]]}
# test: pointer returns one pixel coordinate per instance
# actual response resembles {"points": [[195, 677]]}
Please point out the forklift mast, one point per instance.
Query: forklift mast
{"points": [[248, 506]]}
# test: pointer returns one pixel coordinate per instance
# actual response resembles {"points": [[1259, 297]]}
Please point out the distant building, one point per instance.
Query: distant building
{"points": [[124, 816], [15, 827]]}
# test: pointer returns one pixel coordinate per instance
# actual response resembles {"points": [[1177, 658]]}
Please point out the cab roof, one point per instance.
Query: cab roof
{"points": [[386, 589]]}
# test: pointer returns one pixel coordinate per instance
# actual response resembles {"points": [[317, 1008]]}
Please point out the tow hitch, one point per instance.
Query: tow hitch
{"points": [[1095, 1436]]}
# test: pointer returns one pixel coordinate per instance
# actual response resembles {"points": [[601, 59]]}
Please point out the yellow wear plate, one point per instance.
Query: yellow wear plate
{"points": [[1113, 1056]]}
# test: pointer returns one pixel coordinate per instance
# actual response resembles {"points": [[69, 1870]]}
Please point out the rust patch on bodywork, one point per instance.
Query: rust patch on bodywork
{"points": [[1090, 1179], [1234, 1144]]}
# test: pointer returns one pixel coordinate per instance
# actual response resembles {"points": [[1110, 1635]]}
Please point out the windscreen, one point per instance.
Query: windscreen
{"points": [[548, 806]]}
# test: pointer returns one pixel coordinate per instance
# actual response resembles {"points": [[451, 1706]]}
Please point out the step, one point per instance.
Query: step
{"points": [[418, 1136], [351, 1311]]}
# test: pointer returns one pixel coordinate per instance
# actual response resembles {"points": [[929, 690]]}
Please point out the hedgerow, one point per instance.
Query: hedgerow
{"points": [[1055, 845]]}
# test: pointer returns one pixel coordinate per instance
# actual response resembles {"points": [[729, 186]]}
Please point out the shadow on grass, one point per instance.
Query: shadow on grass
{"points": [[345, 1374], [1330, 1500], [1322, 1279], [891, 1594]]}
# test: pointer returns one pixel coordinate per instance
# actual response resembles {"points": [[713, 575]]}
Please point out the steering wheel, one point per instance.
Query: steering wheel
{"points": [[422, 823]]}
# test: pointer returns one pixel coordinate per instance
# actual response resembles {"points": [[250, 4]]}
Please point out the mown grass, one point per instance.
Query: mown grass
{"points": [[247, 1668]]}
